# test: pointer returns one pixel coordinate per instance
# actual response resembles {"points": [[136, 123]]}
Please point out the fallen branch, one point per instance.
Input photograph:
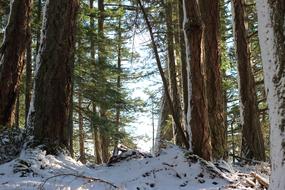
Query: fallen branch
{"points": [[41, 187], [250, 182], [260, 179], [252, 161]]}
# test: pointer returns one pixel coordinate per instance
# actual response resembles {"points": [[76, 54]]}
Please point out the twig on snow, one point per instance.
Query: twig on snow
{"points": [[41, 187]]}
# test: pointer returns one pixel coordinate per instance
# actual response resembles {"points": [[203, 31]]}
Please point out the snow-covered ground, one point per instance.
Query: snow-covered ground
{"points": [[173, 169]]}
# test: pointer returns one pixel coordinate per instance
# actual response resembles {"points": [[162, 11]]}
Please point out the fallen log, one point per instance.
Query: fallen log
{"points": [[260, 179]]}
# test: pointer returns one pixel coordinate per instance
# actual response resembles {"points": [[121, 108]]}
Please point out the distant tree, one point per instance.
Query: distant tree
{"points": [[172, 73], [173, 113], [271, 29], [252, 137], [12, 53], [49, 113]]}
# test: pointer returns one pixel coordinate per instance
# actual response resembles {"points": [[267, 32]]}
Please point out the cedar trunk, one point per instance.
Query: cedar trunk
{"points": [[52, 91], [12, 58], [252, 138], [210, 17], [197, 100]]}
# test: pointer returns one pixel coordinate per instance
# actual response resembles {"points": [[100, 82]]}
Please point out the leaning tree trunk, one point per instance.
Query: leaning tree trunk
{"points": [[174, 114], [12, 58], [197, 100], [49, 112], [271, 28], [172, 74], [210, 17], [252, 138]]}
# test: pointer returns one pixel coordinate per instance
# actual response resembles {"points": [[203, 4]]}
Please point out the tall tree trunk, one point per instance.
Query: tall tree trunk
{"points": [[210, 17], [197, 98], [172, 75], [95, 131], [12, 54], [104, 136], [81, 129], [28, 89], [183, 61], [252, 138], [174, 114], [271, 29], [52, 90], [119, 85]]}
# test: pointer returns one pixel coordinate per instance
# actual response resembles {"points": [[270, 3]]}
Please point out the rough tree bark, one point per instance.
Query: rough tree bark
{"points": [[252, 138], [172, 74], [49, 111], [271, 29], [210, 17], [12, 54], [197, 99]]}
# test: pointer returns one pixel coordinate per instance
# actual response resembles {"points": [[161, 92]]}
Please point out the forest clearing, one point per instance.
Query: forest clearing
{"points": [[142, 94]]}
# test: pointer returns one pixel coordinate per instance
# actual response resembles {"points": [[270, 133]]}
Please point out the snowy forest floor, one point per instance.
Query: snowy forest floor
{"points": [[173, 169]]}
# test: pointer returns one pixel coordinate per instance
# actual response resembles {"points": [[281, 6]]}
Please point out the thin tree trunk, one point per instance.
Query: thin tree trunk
{"points": [[174, 114], [119, 68], [271, 30], [96, 137], [183, 60], [28, 90], [12, 54], [172, 75], [210, 17], [104, 136], [197, 98], [49, 113], [81, 130], [95, 131], [252, 138]]}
